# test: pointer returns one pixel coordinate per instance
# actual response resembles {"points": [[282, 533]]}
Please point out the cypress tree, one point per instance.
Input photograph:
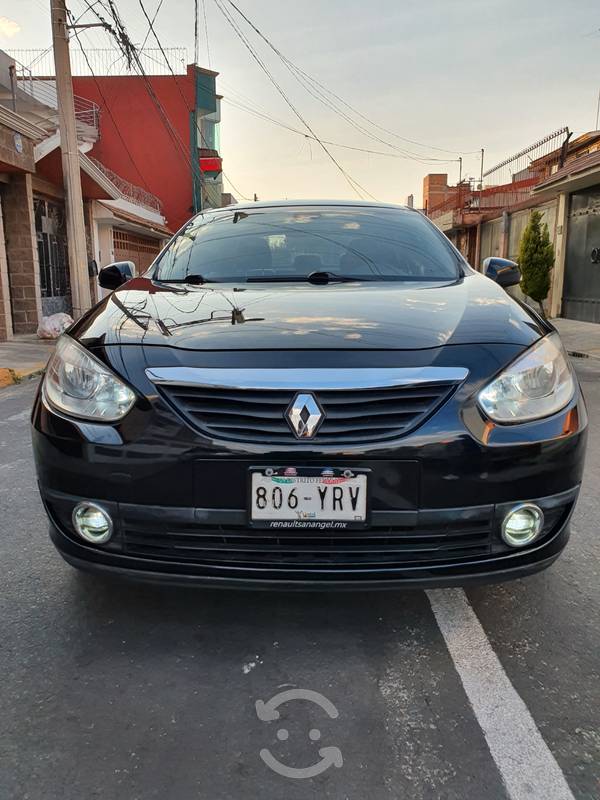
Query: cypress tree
{"points": [[536, 259]]}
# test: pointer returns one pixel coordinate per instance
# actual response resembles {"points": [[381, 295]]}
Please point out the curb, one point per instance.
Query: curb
{"points": [[9, 377]]}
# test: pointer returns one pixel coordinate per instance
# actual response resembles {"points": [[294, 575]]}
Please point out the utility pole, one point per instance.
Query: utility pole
{"points": [[78, 259]]}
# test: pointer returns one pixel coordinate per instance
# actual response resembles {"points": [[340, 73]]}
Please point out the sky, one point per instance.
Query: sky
{"points": [[451, 75]]}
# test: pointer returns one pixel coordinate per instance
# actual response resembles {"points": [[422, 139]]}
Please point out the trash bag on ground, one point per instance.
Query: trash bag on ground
{"points": [[51, 327]]}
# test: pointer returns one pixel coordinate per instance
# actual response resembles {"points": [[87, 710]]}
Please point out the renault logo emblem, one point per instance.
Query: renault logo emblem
{"points": [[304, 415]]}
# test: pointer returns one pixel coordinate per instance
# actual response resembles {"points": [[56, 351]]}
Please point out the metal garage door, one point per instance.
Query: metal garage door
{"points": [[142, 250], [581, 291]]}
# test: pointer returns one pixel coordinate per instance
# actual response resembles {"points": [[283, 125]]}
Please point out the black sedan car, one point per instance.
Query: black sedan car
{"points": [[307, 395]]}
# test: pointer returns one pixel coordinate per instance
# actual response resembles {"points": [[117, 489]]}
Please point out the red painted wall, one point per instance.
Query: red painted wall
{"points": [[154, 161]]}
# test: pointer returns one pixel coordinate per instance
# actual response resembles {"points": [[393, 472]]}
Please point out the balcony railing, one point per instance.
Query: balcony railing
{"points": [[511, 181], [129, 191], [491, 198], [87, 113]]}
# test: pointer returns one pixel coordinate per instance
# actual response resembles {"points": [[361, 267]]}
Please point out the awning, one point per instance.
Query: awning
{"points": [[134, 223], [577, 174]]}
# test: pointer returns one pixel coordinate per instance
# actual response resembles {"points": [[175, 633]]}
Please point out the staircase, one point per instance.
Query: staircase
{"points": [[37, 101]]}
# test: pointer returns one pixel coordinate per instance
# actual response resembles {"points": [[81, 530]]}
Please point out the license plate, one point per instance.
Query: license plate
{"points": [[288, 498]]}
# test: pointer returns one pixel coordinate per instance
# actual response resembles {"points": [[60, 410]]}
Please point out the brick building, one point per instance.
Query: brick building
{"points": [[123, 221], [560, 177], [20, 304], [436, 190]]}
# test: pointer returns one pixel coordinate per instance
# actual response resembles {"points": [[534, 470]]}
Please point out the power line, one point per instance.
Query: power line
{"points": [[191, 110], [195, 31], [322, 98], [206, 34], [129, 51], [261, 115], [303, 77], [158, 7], [351, 181], [131, 54], [107, 106]]}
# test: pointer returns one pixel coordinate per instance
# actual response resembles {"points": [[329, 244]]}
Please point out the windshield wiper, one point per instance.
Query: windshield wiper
{"points": [[194, 280], [318, 277]]}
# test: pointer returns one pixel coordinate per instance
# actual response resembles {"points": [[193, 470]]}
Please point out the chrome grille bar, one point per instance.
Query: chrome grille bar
{"points": [[318, 379]]}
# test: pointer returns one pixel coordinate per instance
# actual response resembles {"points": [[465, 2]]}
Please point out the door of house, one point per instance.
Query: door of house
{"points": [[142, 250], [581, 289], [50, 227]]}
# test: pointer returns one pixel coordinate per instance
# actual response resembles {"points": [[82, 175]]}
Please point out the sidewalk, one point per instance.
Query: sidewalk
{"points": [[23, 357], [581, 339]]}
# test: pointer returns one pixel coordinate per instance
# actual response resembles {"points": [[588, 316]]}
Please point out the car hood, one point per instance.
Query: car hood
{"points": [[383, 316]]}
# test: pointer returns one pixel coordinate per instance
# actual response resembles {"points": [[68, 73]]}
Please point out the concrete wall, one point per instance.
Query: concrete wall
{"points": [[505, 243], [518, 223], [491, 240]]}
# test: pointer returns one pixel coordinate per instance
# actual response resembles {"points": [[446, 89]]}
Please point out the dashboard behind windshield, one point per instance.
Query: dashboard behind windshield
{"points": [[361, 243]]}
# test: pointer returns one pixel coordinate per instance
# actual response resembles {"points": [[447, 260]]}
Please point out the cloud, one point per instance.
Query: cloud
{"points": [[8, 27]]}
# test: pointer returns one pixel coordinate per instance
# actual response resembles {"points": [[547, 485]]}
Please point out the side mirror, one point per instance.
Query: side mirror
{"points": [[506, 273], [115, 275]]}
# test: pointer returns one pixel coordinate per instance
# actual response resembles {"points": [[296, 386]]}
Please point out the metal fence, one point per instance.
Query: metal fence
{"points": [[44, 91], [107, 61], [510, 182], [130, 191], [530, 163]]}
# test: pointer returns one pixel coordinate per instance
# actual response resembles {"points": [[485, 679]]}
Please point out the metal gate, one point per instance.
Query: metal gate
{"points": [[142, 250], [50, 228], [581, 290]]}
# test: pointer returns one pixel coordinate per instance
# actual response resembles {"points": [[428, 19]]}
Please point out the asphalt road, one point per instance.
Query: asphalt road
{"points": [[117, 691]]}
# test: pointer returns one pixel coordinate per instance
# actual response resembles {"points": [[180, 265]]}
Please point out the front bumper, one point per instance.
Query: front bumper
{"points": [[425, 548]]}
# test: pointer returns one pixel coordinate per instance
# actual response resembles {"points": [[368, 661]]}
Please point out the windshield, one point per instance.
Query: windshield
{"points": [[263, 243]]}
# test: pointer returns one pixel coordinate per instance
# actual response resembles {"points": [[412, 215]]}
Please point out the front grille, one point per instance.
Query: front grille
{"points": [[435, 537], [351, 415]]}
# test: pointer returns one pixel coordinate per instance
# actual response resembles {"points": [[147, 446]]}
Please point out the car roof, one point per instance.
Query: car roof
{"points": [[312, 204]]}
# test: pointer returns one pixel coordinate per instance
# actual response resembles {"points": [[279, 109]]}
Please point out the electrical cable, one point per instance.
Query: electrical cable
{"points": [[191, 110], [261, 115], [107, 107], [158, 7], [360, 190], [195, 31], [131, 54], [297, 70], [206, 33]]}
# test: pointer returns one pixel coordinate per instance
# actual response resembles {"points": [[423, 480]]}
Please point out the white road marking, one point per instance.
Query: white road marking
{"points": [[22, 415], [528, 768]]}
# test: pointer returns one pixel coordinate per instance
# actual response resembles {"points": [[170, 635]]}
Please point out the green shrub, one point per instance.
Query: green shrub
{"points": [[536, 259]]}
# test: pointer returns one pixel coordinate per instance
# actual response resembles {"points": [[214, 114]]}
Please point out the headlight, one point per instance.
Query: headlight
{"points": [[78, 384], [537, 384]]}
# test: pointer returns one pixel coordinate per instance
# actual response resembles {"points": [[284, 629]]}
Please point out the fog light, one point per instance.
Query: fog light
{"points": [[522, 524], [92, 523]]}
